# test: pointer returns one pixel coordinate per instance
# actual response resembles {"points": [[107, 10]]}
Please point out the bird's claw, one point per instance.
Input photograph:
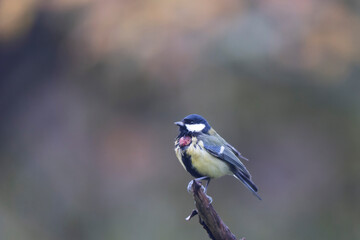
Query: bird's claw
{"points": [[210, 198], [189, 187]]}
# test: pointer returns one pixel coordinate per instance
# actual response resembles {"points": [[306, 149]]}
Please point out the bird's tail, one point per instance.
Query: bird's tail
{"points": [[247, 182]]}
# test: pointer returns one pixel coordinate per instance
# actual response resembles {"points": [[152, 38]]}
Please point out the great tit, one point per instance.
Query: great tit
{"points": [[206, 155]]}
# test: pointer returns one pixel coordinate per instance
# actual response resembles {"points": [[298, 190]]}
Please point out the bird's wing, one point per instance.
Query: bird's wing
{"points": [[216, 147], [212, 132], [236, 152]]}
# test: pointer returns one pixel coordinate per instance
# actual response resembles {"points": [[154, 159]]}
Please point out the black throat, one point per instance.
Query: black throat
{"points": [[186, 159]]}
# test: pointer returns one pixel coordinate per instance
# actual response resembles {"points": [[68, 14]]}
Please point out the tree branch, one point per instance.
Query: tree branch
{"points": [[208, 218]]}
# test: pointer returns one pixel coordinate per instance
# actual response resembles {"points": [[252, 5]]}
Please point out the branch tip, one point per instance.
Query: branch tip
{"points": [[208, 217]]}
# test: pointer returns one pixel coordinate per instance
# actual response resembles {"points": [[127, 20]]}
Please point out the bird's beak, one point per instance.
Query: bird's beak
{"points": [[180, 124]]}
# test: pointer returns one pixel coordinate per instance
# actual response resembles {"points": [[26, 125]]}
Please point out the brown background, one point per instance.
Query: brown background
{"points": [[90, 89]]}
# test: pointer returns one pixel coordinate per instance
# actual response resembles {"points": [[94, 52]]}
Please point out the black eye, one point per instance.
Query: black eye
{"points": [[188, 121]]}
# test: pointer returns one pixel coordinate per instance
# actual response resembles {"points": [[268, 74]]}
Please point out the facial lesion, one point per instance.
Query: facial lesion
{"points": [[184, 141]]}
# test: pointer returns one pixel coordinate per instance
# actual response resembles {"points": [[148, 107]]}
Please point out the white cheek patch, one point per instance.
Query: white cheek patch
{"points": [[195, 127]]}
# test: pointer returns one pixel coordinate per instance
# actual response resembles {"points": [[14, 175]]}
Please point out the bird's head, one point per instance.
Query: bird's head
{"points": [[193, 124]]}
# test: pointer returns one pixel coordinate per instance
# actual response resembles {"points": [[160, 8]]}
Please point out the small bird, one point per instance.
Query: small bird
{"points": [[206, 155]]}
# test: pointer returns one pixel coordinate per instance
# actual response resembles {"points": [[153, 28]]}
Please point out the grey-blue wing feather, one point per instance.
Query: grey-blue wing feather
{"points": [[226, 155], [248, 183], [236, 152], [220, 149]]}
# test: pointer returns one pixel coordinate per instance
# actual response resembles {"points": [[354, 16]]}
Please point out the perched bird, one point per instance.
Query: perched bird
{"points": [[206, 155]]}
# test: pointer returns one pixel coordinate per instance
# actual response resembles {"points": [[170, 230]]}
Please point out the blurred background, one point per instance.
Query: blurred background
{"points": [[89, 91]]}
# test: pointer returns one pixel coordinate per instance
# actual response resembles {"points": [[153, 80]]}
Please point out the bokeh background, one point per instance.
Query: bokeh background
{"points": [[90, 89]]}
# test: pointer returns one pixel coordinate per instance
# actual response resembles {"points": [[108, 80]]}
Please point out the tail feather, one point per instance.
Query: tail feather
{"points": [[247, 182]]}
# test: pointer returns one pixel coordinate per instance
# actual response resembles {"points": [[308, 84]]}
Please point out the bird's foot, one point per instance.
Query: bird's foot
{"points": [[198, 179], [210, 198], [189, 186], [189, 189]]}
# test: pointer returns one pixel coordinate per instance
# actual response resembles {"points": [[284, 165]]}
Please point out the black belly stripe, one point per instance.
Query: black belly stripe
{"points": [[186, 159]]}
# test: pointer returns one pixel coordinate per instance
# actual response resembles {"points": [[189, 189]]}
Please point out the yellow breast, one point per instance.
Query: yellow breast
{"points": [[205, 163]]}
